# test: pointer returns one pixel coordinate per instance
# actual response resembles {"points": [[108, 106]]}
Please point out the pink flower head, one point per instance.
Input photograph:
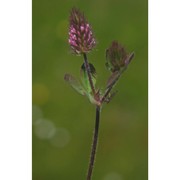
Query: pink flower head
{"points": [[81, 38]]}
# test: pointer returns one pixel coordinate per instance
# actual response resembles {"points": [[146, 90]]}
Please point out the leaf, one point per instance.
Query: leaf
{"points": [[74, 83], [92, 99], [85, 78], [113, 79]]}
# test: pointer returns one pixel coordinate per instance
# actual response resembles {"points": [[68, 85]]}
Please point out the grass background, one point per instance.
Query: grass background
{"points": [[63, 121]]}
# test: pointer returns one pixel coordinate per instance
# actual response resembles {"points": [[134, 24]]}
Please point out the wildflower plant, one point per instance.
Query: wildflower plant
{"points": [[82, 42]]}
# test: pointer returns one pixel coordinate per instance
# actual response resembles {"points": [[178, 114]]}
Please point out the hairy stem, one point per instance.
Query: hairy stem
{"points": [[89, 73], [94, 145], [109, 89]]}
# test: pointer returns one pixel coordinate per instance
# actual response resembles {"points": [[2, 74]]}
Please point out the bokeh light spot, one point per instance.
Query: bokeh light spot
{"points": [[44, 129], [113, 176], [36, 114], [61, 137], [40, 94]]}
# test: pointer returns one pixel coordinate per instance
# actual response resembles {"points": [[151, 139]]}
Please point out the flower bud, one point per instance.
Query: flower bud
{"points": [[117, 58]]}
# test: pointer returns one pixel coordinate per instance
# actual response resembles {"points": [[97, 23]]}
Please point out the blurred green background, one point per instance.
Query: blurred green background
{"points": [[63, 120]]}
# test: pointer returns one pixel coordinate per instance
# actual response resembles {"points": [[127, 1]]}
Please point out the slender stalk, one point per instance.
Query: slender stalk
{"points": [[94, 145], [89, 73], [109, 90], [106, 94]]}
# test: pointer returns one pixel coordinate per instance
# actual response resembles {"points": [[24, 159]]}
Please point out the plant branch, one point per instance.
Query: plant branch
{"points": [[89, 73], [109, 90], [94, 145]]}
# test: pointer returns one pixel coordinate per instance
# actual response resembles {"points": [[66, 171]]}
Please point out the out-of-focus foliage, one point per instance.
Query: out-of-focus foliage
{"points": [[63, 120]]}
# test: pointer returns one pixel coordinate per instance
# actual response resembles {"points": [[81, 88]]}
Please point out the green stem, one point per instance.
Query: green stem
{"points": [[94, 145]]}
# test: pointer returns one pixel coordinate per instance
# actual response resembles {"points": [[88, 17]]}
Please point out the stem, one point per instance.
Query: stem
{"points": [[89, 73], [106, 94], [109, 90], [94, 145]]}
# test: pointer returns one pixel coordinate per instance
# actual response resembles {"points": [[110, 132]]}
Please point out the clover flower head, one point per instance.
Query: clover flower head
{"points": [[81, 38]]}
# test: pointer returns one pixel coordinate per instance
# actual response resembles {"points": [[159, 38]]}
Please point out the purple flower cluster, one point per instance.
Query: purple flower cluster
{"points": [[81, 38]]}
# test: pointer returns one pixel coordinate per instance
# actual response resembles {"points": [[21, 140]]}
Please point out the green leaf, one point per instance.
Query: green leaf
{"points": [[74, 84], [92, 100], [85, 78]]}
